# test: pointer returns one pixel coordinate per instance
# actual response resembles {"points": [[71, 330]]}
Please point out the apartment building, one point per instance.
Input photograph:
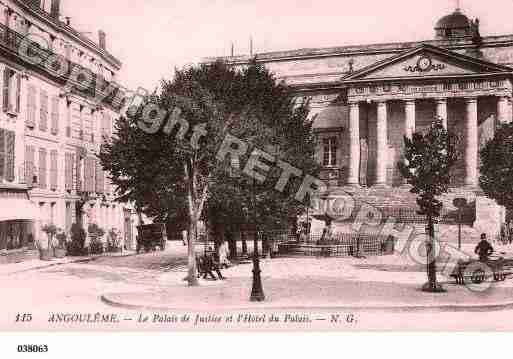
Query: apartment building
{"points": [[59, 103]]}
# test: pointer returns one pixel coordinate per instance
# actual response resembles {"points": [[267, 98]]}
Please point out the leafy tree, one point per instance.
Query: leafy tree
{"points": [[429, 157], [496, 169], [169, 168]]}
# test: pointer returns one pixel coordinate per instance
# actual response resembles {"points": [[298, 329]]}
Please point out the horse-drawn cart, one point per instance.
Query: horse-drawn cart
{"points": [[151, 236], [475, 271]]}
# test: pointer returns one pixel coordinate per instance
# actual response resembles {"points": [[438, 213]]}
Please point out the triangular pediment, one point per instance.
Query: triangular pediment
{"points": [[426, 61]]}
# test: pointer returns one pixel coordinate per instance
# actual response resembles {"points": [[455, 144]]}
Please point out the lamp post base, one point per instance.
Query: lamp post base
{"points": [[257, 292]]}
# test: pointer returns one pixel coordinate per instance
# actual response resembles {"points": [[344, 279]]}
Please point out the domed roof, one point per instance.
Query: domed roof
{"points": [[456, 20]]}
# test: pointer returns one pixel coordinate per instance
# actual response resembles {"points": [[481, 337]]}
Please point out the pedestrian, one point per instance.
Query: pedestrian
{"points": [[184, 237], [483, 249], [209, 264], [223, 254], [327, 232]]}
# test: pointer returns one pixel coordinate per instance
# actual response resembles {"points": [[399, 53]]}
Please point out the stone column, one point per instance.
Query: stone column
{"points": [[441, 110], [409, 123], [502, 109], [471, 142], [354, 144], [382, 146]]}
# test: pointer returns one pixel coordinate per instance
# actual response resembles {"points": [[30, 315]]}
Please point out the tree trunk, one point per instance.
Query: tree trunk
{"points": [[196, 203], [431, 255], [192, 276], [244, 243], [232, 243]]}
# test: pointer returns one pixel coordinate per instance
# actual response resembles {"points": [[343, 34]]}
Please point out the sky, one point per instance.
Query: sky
{"points": [[152, 37]]}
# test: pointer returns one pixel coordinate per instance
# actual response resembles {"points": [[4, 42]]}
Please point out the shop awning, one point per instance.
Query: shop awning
{"points": [[12, 209]]}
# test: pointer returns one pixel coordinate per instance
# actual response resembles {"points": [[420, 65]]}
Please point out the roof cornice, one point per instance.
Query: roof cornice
{"points": [[59, 26], [355, 50]]}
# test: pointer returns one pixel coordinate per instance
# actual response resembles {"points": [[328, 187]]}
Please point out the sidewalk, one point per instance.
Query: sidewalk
{"points": [[379, 283], [35, 264]]}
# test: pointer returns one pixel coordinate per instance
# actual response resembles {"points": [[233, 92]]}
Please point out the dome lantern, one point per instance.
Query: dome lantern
{"points": [[456, 25]]}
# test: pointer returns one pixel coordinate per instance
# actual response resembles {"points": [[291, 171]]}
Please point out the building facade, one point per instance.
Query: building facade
{"points": [[366, 98], [59, 103]]}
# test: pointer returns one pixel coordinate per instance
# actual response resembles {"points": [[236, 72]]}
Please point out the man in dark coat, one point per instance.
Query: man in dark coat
{"points": [[210, 263], [483, 249]]}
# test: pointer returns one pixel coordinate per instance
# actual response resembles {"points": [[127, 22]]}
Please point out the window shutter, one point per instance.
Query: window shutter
{"points": [[103, 128], [5, 89], [43, 115], [55, 115], [92, 168], [68, 120], [2, 153], [100, 178], [9, 149], [68, 172], [31, 106], [42, 168], [86, 175], [29, 165], [89, 174], [18, 93], [78, 171], [106, 127], [53, 170]]}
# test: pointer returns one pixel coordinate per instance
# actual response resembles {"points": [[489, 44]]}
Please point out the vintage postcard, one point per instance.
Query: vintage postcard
{"points": [[256, 166]]}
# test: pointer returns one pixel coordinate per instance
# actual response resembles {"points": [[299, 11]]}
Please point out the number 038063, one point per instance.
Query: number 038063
{"points": [[32, 348]]}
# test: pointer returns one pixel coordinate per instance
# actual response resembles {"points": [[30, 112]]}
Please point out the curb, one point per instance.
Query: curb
{"points": [[54, 264], [351, 308]]}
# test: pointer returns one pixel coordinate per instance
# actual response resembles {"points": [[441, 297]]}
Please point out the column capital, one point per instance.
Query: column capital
{"points": [[441, 100], [470, 99], [381, 101], [353, 103], [409, 101]]}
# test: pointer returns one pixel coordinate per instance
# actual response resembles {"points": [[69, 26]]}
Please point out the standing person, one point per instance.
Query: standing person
{"points": [[223, 254], [483, 249], [327, 232], [184, 237]]}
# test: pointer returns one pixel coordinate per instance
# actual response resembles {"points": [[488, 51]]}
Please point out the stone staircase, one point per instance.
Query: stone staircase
{"points": [[400, 204]]}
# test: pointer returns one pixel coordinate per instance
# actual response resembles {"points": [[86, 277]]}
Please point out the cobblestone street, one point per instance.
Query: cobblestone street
{"points": [[290, 284]]}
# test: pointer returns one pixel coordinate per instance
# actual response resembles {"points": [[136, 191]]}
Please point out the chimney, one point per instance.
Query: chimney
{"points": [[68, 21], [102, 40], [55, 9]]}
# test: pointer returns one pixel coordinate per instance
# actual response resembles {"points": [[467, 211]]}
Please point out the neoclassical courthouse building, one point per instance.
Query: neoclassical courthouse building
{"points": [[50, 133], [366, 98]]}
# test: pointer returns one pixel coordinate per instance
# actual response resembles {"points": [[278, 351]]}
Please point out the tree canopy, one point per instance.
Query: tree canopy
{"points": [[163, 156], [428, 159], [496, 169]]}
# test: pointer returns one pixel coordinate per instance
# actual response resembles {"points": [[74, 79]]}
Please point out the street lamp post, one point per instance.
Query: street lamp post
{"points": [[459, 203], [257, 292]]}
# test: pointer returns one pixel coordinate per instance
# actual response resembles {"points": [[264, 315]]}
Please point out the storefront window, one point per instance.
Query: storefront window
{"points": [[15, 235]]}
